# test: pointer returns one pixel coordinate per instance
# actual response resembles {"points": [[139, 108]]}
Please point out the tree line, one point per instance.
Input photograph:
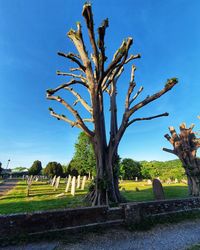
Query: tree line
{"points": [[83, 163]]}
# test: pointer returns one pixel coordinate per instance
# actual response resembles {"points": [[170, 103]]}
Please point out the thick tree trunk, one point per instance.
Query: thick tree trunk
{"points": [[106, 188], [192, 170]]}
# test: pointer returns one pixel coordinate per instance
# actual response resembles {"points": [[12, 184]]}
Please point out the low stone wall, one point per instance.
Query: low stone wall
{"points": [[69, 219], [137, 212]]}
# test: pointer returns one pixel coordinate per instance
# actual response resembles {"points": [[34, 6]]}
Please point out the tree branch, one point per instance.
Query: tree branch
{"points": [[87, 14], [168, 86], [77, 39], [62, 86], [74, 112], [169, 151], [132, 57], [136, 95], [80, 99], [64, 118], [72, 57], [147, 118], [72, 75], [102, 57], [119, 54]]}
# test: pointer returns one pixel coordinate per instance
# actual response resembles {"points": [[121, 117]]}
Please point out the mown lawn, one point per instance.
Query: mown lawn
{"points": [[145, 193], [43, 197]]}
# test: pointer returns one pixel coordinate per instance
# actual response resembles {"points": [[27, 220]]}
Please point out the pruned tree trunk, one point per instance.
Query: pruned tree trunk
{"points": [[185, 146], [100, 79]]}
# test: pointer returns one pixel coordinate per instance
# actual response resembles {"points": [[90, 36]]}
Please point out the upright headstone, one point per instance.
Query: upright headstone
{"points": [[168, 181], [158, 190], [184, 181], [73, 188], [149, 182], [53, 181], [57, 182], [83, 183], [29, 183], [78, 182], [66, 180], [136, 178], [68, 183]]}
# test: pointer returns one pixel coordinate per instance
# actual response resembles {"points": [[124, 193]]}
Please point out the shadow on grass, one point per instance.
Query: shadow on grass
{"points": [[171, 192], [39, 205]]}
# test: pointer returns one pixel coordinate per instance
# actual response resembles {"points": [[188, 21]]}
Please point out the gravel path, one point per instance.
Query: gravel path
{"points": [[7, 186], [162, 237]]}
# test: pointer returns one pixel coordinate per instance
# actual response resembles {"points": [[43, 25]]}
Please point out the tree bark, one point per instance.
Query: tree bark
{"points": [[185, 146]]}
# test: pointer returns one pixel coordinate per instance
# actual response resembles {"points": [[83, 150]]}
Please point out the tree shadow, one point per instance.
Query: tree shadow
{"points": [[171, 192]]}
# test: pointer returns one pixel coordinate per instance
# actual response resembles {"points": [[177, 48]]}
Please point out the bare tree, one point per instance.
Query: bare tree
{"points": [[185, 146], [99, 79]]}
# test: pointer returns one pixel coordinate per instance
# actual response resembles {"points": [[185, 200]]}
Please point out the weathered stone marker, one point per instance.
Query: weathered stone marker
{"points": [[68, 183], [83, 183], [78, 182], [73, 188], [149, 182], [29, 182], [136, 178], [158, 190], [57, 183], [53, 181]]}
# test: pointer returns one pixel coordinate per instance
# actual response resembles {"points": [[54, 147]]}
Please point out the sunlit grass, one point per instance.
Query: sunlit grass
{"points": [[43, 197], [145, 192]]}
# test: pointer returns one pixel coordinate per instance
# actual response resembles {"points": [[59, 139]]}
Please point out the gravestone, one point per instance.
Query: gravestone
{"points": [[158, 190], [149, 182], [83, 183], [78, 182], [68, 183], [184, 181], [57, 183], [176, 180], [73, 188], [66, 180], [29, 183], [136, 178], [53, 181], [168, 181]]}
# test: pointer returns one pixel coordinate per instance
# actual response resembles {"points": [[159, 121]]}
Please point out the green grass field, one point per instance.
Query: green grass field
{"points": [[43, 197]]}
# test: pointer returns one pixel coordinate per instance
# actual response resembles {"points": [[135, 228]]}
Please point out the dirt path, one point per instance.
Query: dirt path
{"points": [[7, 186]]}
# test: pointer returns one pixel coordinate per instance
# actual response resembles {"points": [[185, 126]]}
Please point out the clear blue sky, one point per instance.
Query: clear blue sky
{"points": [[167, 35]]}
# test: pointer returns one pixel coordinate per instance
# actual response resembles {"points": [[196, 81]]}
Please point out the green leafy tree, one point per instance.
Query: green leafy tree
{"points": [[53, 168], [163, 169], [35, 168], [129, 169], [84, 158], [72, 169]]}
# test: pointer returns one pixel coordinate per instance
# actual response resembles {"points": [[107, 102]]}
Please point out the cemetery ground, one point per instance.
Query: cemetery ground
{"points": [[42, 196]]}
